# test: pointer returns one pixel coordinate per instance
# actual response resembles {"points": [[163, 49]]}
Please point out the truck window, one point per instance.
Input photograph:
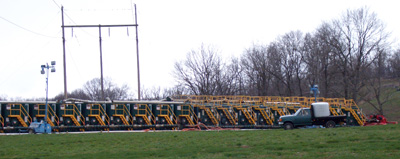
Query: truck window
{"points": [[305, 113], [299, 112]]}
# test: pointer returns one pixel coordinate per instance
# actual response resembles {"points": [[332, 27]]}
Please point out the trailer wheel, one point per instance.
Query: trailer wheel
{"points": [[330, 124], [351, 122], [224, 121], [31, 131], [288, 126], [183, 121], [141, 121]]}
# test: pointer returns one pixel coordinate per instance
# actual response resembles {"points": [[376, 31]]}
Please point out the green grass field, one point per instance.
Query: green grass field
{"points": [[347, 142]]}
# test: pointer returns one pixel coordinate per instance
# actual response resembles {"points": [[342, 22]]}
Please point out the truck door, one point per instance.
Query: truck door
{"points": [[304, 118]]}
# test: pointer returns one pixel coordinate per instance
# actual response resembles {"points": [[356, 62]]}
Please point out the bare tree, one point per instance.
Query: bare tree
{"points": [[291, 68], [256, 68], [3, 97], [318, 59], [376, 93], [356, 36], [92, 89], [153, 93], [275, 69], [232, 82], [78, 94], [293, 46], [200, 71], [394, 65]]}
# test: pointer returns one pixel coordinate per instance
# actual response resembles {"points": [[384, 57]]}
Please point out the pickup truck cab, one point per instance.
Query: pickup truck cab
{"points": [[318, 114]]}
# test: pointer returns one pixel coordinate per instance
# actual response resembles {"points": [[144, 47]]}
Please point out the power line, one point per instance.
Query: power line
{"points": [[56, 4], [27, 29]]}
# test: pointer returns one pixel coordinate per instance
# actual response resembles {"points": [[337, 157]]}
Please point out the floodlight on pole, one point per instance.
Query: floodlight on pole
{"points": [[45, 69]]}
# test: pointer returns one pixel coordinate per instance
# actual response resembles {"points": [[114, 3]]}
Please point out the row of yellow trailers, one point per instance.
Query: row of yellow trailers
{"points": [[263, 110], [176, 112]]}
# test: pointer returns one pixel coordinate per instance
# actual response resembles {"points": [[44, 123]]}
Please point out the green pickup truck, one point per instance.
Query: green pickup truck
{"points": [[318, 114]]}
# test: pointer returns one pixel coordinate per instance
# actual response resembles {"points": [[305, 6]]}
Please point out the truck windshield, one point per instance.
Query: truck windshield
{"points": [[298, 112], [301, 112]]}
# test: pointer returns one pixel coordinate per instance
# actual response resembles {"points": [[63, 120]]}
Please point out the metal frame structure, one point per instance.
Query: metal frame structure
{"points": [[101, 53]]}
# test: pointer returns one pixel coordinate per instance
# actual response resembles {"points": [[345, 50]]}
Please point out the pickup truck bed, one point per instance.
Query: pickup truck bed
{"points": [[324, 120]]}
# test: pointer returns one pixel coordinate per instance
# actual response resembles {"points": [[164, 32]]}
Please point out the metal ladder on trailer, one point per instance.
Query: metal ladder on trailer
{"points": [[51, 115], [19, 113], [266, 116], [146, 114], [248, 116], [210, 114], [97, 111], [2, 123], [353, 107], [123, 114], [228, 115], [71, 113], [187, 112], [169, 115], [1, 120]]}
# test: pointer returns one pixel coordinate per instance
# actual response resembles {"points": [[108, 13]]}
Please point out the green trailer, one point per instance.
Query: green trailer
{"points": [[142, 113], [209, 115], [120, 115], [264, 115], [187, 114], [70, 114], [164, 114], [38, 110], [277, 109], [95, 115], [227, 115], [15, 114], [353, 117], [246, 116]]}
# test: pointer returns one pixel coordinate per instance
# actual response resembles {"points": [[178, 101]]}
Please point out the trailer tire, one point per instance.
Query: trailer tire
{"points": [[288, 126], [330, 124], [141, 121], [184, 121], [224, 121], [351, 122]]}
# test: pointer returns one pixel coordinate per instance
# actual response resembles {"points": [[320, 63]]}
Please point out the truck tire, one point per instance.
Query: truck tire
{"points": [[330, 124], [288, 126]]}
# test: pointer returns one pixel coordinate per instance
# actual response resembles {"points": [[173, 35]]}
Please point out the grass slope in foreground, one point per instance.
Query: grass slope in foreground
{"points": [[349, 142]]}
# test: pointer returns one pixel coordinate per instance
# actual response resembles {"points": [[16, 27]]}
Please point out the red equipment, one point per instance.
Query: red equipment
{"points": [[378, 120]]}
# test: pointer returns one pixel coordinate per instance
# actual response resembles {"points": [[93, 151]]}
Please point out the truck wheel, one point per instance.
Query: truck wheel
{"points": [[288, 126], [330, 124]]}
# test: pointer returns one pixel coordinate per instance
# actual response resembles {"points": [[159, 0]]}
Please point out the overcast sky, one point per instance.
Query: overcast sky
{"points": [[30, 35]]}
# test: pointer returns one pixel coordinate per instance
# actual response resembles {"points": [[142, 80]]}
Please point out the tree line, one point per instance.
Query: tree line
{"points": [[347, 57]]}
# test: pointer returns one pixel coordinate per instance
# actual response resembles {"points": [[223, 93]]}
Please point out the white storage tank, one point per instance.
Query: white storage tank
{"points": [[321, 109]]}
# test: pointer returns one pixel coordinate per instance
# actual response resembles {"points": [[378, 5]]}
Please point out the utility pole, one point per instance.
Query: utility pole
{"points": [[101, 52], [137, 55], [101, 65], [64, 61]]}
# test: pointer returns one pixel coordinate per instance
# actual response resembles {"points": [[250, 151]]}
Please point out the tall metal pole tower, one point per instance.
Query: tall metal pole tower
{"points": [[101, 53]]}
